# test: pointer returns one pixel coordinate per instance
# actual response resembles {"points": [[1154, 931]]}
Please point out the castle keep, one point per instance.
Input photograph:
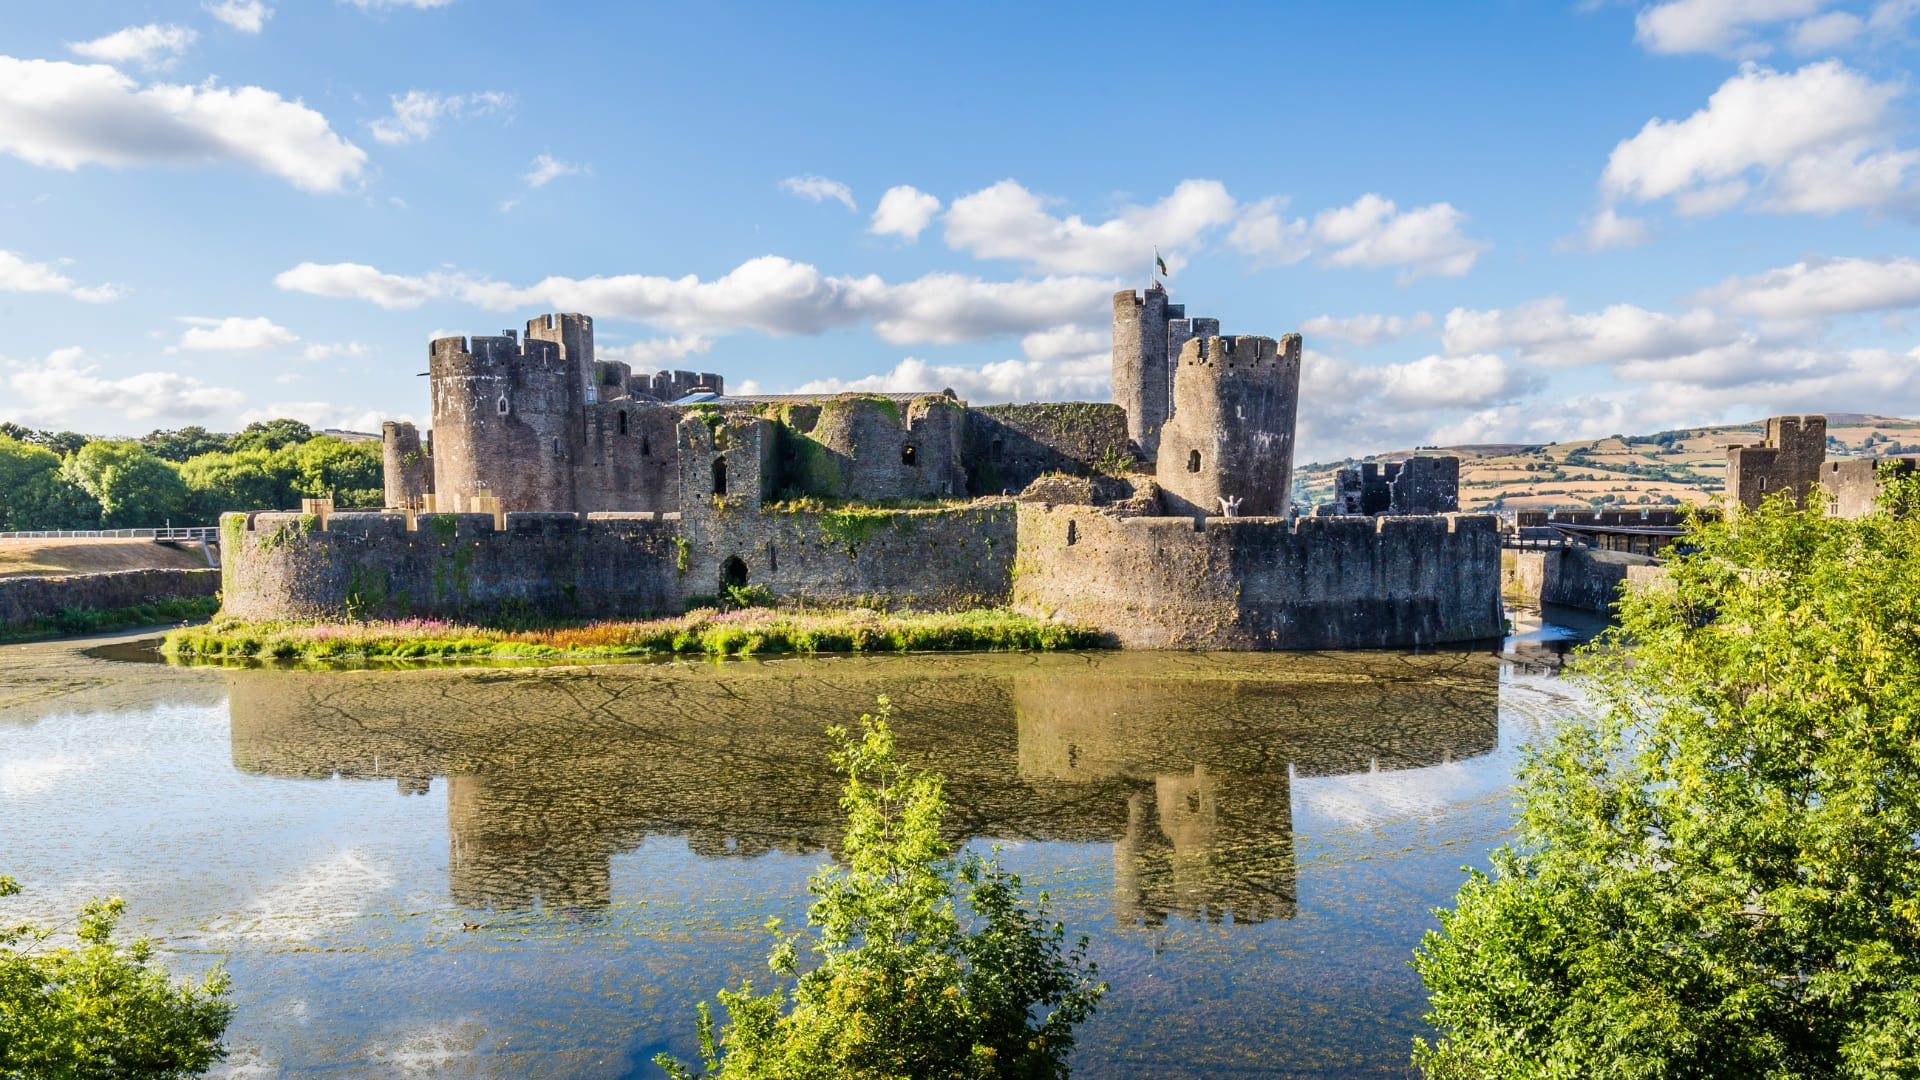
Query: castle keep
{"points": [[556, 483]]}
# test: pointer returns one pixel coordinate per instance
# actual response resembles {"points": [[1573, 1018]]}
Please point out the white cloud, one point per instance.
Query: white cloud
{"points": [[246, 16], [19, 275], [771, 294], [1367, 410], [323, 414], [1005, 380], [1545, 332], [370, 5], [1829, 31], [359, 282], [649, 355], [547, 168], [1071, 340], [1366, 329], [151, 46], [235, 334], [903, 211], [1819, 289], [1006, 221], [1452, 382], [819, 189], [1607, 230], [1723, 27], [417, 112], [1373, 233], [1815, 140], [317, 351], [64, 383], [1271, 239], [62, 116]]}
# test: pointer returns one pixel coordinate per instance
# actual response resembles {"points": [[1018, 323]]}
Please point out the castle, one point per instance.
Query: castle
{"points": [[555, 482], [1792, 457]]}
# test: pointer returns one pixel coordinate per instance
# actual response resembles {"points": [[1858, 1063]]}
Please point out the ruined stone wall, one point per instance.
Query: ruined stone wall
{"points": [[1789, 459], [924, 559], [1232, 429], [726, 459], [407, 471], [1426, 485], [285, 566], [24, 599], [1852, 487], [1008, 447], [508, 422], [632, 459], [872, 448], [1258, 583]]}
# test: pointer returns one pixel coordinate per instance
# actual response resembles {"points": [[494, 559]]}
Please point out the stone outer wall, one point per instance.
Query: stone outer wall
{"points": [[1852, 487], [632, 462], [872, 448], [285, 566], [25, 599], [1010, 446], [1586, 578], [1260, 583]]}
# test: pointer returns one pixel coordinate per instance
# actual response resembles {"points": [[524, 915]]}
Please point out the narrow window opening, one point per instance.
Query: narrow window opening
{"points": [[623, 421], [1073, 532], [993, 453], [646, 446], [773, 561], [1193, 802], [501, 405], [906, 456], [1193, 461], [733, 573], [556, 448], [719, 476], [1763, 483]]}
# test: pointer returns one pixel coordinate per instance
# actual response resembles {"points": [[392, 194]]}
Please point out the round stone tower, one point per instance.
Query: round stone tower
{"points": [[507, 422], [407, 471], [1231, 436], [1140, 368]]}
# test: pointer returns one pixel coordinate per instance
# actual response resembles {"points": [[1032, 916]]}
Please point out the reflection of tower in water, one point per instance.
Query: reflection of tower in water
{"points": [[1206, 847]]}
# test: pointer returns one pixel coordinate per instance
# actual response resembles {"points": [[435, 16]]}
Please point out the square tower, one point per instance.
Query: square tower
{"points": [[1789, 459]]}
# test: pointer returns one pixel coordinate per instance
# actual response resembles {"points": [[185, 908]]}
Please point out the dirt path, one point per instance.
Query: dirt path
{"points": [[25, 558]]}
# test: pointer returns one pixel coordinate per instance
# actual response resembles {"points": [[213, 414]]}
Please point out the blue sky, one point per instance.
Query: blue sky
{"points": [[1492, 221]]}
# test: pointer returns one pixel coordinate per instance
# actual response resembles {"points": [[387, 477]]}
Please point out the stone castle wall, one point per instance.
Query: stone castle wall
{"points": [[1260, 583], [1789, 459], [25, 599], [872, 448], [1008, 447]]}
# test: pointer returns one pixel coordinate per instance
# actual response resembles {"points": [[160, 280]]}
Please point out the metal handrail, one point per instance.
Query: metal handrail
{"points": [[202, 533]]}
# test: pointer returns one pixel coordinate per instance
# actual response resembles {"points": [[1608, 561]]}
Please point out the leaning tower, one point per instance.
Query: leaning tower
{"points": [[1231, 435], [508, 421]]}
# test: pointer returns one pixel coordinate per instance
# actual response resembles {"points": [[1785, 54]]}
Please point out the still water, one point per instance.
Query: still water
{"points": [[536, 871]]}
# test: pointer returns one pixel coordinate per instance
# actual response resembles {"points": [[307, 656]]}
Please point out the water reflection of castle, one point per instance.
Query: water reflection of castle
{"points": [[1184, 769]]}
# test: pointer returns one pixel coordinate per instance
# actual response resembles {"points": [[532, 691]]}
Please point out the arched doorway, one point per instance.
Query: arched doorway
{"points": [[733, 573]]}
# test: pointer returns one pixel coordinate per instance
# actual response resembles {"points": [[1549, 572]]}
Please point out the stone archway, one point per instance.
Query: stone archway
{"points": [[733, 573]]}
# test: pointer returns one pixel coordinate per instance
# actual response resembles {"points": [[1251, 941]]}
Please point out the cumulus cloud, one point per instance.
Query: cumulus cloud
{"points": [[819, 189], [1819, 289], [1069, 341], [1722, 27], [61, 115], [1363, 409], [151, 46], [1006, 221], [1372, 232], [19, 275], [903, 211], [771, 294], [1366, 329], [1605, 231], [1005, 380], [1816, 140], [320, 415], [1545, 332], [246, 16], [645, 355], [359, 282], [235, 334], [52, 389], [418, 112]]}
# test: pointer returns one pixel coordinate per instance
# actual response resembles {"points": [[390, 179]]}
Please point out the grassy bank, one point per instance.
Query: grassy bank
{"points": [[74, 621], [703, 632]]}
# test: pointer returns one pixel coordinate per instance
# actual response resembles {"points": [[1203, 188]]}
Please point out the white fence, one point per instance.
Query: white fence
{"points": [[203, 533]]}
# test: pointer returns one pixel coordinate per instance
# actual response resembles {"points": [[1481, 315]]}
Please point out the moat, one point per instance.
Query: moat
{"points": [[535, 871]]}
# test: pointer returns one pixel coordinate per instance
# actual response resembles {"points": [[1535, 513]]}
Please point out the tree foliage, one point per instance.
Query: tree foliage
{"points": [[903, 986], [134, 488], [270, 435], [100, 1011], [1718, 871]]}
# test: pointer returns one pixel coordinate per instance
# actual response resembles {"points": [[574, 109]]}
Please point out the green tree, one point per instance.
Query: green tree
{"points": [[350, 472], [904, 987], [62, 443], [33, 494], [1716, 873], [188, 442], [270, 435], [101, 1011], [244, 480], [135, 489]]}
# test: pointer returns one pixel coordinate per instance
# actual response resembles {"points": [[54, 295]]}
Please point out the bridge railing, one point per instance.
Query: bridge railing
{"points": [[203, 533]]}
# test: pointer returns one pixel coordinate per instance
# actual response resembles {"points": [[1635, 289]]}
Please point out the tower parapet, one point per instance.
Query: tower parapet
{"points": [[1231, 436]]}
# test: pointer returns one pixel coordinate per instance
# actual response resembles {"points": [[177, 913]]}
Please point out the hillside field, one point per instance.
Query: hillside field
{"points": [[1687, 465]]}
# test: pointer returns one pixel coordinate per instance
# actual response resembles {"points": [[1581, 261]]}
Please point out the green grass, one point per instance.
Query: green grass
{"points": [[705, 632], [70, 622]]}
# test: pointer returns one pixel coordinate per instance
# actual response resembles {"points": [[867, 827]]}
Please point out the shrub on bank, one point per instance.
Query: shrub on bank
{"points": [[704, 632], [69, 622]]}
